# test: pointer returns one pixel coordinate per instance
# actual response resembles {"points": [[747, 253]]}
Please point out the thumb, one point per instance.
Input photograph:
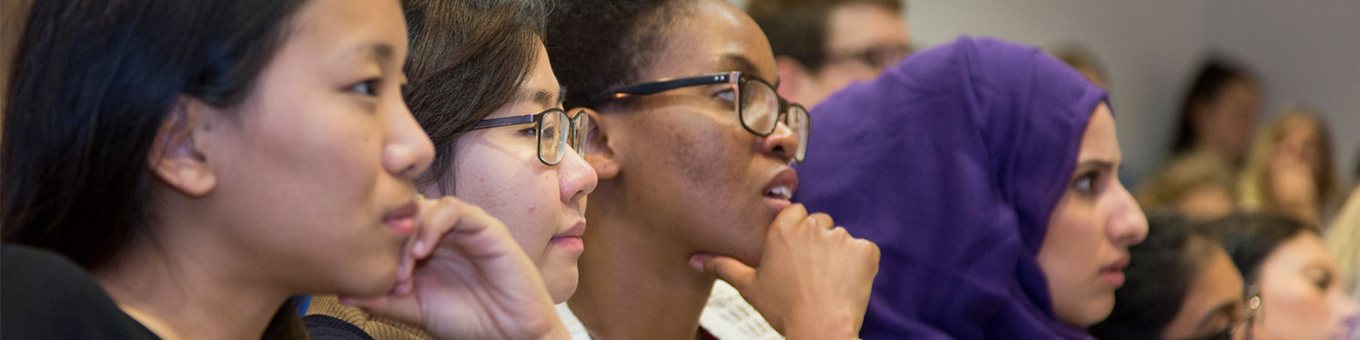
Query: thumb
{"points": [[728, 269]]}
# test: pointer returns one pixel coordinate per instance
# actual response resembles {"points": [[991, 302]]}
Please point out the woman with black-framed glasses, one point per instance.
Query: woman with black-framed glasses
{"points": [[482, 87], [695, 151]]}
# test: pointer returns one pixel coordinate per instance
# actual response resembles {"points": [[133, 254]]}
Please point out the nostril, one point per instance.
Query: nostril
{"points": [[779, 150]]}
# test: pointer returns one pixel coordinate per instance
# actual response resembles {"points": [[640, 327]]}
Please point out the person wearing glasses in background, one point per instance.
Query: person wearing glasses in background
{"points": [[693, 148], [481, 86], [1181, 285], [820, 46], [1286, 263]]}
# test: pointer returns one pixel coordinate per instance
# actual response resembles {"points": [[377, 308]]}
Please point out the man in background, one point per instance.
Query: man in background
{"points": [[821, 46]]}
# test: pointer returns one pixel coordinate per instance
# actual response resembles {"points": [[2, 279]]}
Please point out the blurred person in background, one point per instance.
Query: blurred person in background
{"points": [[820, 46], [1198, 188], [1289, 170], [1289, 274], [1181, 285], [1214, 127]]}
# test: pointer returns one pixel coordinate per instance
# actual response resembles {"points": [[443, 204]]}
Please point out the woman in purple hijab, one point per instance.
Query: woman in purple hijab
{"points": [[986, 172]]}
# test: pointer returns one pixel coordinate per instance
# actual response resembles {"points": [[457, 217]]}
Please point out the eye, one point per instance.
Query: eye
{"points": [[529, 131], [368, 87], [726, 95], [1086, 183]]}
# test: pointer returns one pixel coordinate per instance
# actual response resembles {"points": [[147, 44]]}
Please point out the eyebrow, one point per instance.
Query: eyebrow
{"points": [[543, 97], [1098, 164], [737, 62], [380, 51]]}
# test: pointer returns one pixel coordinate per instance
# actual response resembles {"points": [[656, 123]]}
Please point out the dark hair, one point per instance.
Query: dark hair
{"points": [[597, 45], [1162, 269], [1214, 76], [91, 84], [468, 58], [1250, 237], [798, 28]]}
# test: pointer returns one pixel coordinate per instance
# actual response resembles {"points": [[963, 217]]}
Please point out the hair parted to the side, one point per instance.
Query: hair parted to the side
{"points": [[1167, 262], [90, 85], [468, 58], [1249, 237]]}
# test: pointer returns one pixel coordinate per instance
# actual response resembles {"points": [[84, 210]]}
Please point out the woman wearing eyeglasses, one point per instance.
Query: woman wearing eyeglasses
{"points": [[987, 172], [1181, 286], [1287, 263], [480, 84], [694, 150]]}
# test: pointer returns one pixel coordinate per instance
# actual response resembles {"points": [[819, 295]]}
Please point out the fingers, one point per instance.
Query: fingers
{"points": [[728, 269]]}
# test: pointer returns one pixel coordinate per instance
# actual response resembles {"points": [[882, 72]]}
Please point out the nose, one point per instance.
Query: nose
{"points": [[1128, 225], [782, 143], [407, 150], [575, 179]]}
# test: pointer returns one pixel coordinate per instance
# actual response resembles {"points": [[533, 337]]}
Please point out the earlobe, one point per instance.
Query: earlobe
{"points": [[176, 156], [601, 150]]}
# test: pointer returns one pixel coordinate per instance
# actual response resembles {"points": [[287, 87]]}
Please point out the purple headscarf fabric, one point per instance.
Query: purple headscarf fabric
{"points": [[952, 161]]}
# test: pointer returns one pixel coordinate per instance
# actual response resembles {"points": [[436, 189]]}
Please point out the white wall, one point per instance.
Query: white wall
{"points": [[1306, 51]]}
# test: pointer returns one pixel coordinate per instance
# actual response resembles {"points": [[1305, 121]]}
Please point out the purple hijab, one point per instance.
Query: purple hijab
{"points": [[952, 162]]}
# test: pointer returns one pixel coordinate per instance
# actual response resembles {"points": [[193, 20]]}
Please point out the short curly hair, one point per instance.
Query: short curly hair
{"points": [[596, 45]]}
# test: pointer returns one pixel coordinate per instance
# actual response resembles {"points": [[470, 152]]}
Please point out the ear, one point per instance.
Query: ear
{"points": [[601, 151], [176, 156], [794, 81]]}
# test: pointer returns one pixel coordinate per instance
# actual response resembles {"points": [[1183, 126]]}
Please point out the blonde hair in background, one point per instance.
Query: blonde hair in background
{"points": [[1344, 240], [1253, 185]]}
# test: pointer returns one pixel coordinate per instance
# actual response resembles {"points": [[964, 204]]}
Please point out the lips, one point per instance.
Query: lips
{"points": [[402, 220], [782, 186], [571, 238], [1113, 274]]}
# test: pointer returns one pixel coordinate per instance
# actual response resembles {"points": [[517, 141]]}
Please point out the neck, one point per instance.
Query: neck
{"points": [[636, 283], [182, 286]]}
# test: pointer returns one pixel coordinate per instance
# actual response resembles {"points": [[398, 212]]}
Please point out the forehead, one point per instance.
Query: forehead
{"points": [[352, 29], [1100, 141], [711, 36], [862, 25]]}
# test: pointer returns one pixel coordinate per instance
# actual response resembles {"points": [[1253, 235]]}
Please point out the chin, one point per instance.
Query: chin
{"points": [[562, 283]]}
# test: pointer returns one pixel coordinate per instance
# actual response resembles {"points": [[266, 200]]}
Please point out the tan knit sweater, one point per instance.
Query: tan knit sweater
{"points": [[377, 327]]}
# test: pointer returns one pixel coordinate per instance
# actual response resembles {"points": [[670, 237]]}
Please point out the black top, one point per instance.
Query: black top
{"points": [[46, 296]]}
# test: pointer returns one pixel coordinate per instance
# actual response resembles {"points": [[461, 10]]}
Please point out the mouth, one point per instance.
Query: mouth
{"points": [[779, 190], [1113, 274], [571, 238], [402, 220]]}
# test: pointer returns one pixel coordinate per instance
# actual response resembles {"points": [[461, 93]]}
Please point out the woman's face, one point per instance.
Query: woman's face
{"points": [[690, 167], [544, 206], [1301, 294], [1213, 300], [313, 169], [1225, 124], [1090, 230], [1300, 140]]}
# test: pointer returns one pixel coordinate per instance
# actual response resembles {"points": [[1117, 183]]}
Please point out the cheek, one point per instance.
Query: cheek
{"points": [[512, 187]]}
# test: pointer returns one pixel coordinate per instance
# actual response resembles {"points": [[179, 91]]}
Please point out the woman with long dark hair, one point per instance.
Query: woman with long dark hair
{"points": [[194, 164]]}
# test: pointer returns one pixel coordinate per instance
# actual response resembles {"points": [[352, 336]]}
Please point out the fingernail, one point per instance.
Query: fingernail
{"points": [[419, 247], [697, 262]]}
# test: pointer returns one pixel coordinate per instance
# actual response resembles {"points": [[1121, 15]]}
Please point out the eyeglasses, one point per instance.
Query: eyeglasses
{"points": [[879, 57], [553, 139], [758, 106]]}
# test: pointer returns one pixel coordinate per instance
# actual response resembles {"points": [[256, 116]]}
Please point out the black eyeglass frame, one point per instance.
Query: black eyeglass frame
{"points": [[575, 136], [738, 80]]}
